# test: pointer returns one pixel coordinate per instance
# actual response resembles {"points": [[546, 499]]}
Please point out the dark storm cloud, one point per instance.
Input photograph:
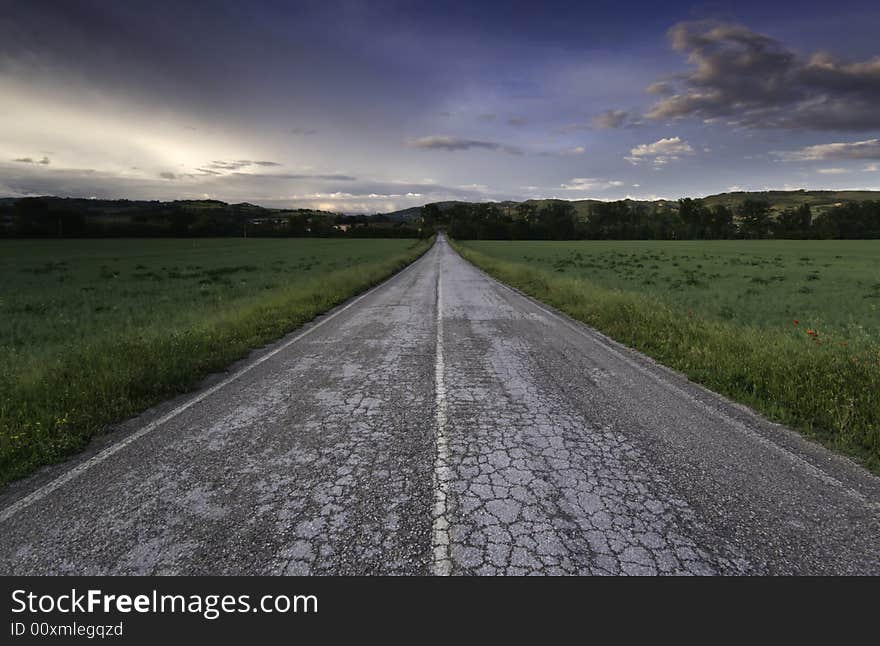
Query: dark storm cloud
{"points": [[167, 175], [451, 144], [750, 79]]}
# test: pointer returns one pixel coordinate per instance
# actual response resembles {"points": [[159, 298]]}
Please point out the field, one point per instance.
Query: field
{"points": [[93, 331], [788, 327]]}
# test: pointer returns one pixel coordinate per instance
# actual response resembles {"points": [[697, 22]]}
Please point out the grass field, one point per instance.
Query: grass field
{"points": [[93, 331], [791, 328]]}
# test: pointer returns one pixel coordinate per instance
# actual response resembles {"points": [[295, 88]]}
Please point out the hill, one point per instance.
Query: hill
{"points": [[819, 201]]}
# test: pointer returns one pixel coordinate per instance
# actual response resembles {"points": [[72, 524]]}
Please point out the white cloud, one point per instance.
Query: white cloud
{"points": [[871, 168], [867, 149], [832, 171], [590, 184], [661, 151]]}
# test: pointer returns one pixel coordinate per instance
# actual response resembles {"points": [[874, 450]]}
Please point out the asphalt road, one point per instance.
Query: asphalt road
{"points": [[444, 424]]}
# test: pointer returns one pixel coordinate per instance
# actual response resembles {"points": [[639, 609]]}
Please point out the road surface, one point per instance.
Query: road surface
{"points": [[444, 424]]}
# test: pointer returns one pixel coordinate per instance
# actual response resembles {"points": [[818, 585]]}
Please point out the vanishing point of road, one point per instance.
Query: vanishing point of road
{"points": [[442, 423]]}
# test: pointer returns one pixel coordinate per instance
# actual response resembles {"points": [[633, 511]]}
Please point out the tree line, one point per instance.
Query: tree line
{"points": [[76, 218], [688, 219]]}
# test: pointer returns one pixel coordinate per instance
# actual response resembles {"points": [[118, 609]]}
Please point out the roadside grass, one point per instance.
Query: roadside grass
{"points": [[818, 381], [92, 332]]}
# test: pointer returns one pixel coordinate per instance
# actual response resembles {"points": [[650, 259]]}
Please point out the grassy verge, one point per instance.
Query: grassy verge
{"points": [[829, 391], [51, 405]]}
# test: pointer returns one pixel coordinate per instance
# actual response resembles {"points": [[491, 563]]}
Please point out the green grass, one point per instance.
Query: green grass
{"points": [[724, 312], [94, 331]]}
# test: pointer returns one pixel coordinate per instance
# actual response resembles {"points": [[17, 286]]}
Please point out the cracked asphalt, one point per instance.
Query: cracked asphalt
{"points": [[445, 424]]}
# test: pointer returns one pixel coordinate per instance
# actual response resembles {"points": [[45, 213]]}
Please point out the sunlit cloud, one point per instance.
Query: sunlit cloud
{"points": [[660, 152], [590, 184], [867, 149]]}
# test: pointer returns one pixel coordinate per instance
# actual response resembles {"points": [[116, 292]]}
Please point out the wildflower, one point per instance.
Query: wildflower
{"points": [[796, 321]]}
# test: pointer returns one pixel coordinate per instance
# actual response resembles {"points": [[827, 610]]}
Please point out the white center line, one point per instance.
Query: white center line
{"points": [[442, 559]]}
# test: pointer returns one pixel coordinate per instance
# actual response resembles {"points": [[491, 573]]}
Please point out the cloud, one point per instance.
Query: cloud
{"points": [[871, 168], [455, 143], [660, 87], [488, 116], [29, 179], [516, 121], [610, 119], [868, 149], [330, 177], [207, 174], [238, 164], [305, 132], [590, 184], [832, 171], [660, 152], [45, 161], [577, 150], [750, 79]]}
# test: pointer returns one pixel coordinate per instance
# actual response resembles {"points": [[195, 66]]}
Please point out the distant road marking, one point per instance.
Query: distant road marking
{"points": [[78, 470], [442, 559]]}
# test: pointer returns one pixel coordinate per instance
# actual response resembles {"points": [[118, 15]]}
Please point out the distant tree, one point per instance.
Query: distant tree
{"points": [[559, 220], [754, 218], [526, 211], [428, 220], [795, 223], [297, 225], [721, 222], [695, 217]]}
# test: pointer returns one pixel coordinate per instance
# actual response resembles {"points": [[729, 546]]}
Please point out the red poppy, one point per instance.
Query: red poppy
{"points": [[796, 321]]}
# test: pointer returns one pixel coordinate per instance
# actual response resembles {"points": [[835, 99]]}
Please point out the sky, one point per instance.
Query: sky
{"points": [[367, 107]]}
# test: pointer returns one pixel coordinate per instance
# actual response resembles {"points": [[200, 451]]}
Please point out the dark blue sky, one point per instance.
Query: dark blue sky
{"points": [[371, 106]]}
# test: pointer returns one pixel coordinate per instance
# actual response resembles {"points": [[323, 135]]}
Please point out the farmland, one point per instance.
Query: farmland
{"points": [[92, 331], [788, 327]]}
